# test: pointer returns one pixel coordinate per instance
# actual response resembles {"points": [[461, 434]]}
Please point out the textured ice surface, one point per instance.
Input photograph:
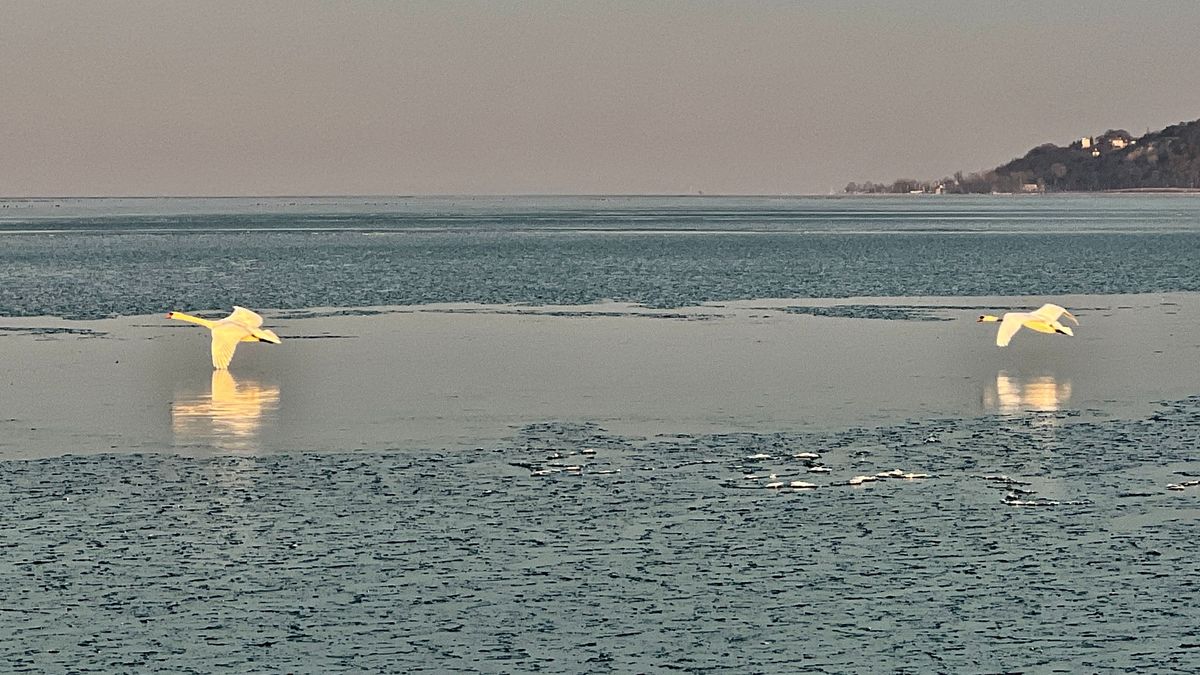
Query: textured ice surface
{"points": [[97, 258], [547, 486], [1037, 542]]}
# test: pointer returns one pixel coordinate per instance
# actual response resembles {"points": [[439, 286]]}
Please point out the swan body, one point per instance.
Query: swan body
{"points": [[1044, 319], [242, 325]]}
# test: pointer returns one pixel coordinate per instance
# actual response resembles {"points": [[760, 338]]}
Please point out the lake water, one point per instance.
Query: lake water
{"points": [[96, 258], [561, 435]]}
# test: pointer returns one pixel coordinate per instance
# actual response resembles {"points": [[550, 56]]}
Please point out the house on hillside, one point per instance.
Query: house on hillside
{"points": [[1113, 139]]}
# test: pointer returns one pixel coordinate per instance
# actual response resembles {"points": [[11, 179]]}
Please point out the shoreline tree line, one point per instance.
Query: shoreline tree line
{"points": [[1168, 159]]}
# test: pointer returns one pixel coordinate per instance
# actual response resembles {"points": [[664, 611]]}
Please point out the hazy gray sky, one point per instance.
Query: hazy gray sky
{"points": [[133, 97]]}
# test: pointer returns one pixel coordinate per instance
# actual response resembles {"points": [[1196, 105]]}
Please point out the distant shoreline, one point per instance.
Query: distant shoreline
{"points": [[1141, 191], [418, 197], [1166, 190]]}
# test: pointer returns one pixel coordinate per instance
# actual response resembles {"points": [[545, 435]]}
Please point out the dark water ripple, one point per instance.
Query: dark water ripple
{"points": [[50, 331], [662, 253], [96, 276], [888, 312], [1037, 542]]}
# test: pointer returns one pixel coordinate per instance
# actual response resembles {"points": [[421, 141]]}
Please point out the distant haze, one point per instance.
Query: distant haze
{"points": [[148, 97]]}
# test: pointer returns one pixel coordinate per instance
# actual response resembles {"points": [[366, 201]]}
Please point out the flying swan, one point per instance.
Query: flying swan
{"points": [[1044, 319], [241, 326]]}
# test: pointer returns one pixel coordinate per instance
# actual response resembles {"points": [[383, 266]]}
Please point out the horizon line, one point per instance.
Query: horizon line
{"points": [[421, 195]]}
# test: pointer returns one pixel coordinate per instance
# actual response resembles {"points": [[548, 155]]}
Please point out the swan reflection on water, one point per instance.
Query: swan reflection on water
{"points": [[1015, 393], [229, 416]]}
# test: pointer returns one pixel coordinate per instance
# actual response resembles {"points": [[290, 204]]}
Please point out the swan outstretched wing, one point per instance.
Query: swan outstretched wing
{"points": [[1049, 313], [1011, 323], [224, 342], [245, 317]]}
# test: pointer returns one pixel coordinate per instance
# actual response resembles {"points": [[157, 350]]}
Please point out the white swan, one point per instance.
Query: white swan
{"points": [[241, 326], [1044, 319]]}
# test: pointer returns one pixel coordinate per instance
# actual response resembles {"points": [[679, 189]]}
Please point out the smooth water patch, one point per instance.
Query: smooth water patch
{"points": [[456, 376]]}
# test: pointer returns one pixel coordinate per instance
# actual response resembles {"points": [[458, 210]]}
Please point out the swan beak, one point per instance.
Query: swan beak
{"points": [[170, 315]]}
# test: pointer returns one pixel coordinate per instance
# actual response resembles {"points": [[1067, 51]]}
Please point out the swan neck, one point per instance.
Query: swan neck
{"points": [[190, 319]]}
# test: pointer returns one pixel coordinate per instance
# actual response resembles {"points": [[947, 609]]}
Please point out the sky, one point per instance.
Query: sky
{"points": [[292, 97]]}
